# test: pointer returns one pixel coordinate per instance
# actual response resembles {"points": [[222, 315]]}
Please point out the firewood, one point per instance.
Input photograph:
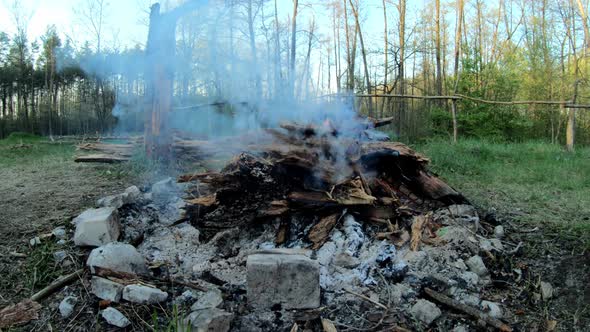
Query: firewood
{"points": [[480, 315], [417, 227], [205, 201], [276, 208], [101, 158], [320, 232], [18, 314]]}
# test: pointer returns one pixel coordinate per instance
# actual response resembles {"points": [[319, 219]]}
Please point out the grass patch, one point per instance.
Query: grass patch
{"points": [[536, 183], [41, 267], [19, 148]]}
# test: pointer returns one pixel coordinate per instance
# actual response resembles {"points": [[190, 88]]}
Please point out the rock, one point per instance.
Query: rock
{"points": [[491, 308], [477, 266], [289, 280], [35, 241], [143, 294], [61, 242], [67, 305], [130, 196], [164, 190], [115, 317], [59, 233], [59, 256], [133, 194], [113, 201], [491, 245], [344, 259], [213, 319], [460, 328], [210, 299], [188, 296], [499, 232], [95, 227], [546, 290], [471, 278], [117, 256], [425, 311], [470, 299], [106, 289]]}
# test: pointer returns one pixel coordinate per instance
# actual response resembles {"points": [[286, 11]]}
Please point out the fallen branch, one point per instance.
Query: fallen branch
{"points": [[382, 306], [56, 285], [131, 277], [480, 315]]}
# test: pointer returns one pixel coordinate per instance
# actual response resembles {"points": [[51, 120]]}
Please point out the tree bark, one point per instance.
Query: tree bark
{"points": [[364, 53]]}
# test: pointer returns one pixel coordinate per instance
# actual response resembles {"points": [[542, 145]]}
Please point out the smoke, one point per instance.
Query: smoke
{"points": [[230, 74]]}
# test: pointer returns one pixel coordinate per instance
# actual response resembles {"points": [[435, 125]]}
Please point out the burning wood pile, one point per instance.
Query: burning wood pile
{"points": [[317, 173]]}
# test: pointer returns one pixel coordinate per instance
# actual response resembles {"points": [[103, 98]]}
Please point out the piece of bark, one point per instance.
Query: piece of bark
{"points": [[204, 201], [478, 314], [436, 189], [311, 199], [380, 122], [320, 232], [19, 314], [418, 225], [101, 158], [57, 285], [276, 208]]}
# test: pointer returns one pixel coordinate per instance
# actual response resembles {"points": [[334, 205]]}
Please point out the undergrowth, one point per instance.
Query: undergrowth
{"points": [[536, 183]]}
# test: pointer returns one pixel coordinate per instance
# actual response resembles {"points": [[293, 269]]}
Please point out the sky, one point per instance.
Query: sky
{"points": [[126, 25]]}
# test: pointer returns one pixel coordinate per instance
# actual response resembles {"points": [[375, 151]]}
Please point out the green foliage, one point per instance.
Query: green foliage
{"points": [[537, 183], [41, 267]]}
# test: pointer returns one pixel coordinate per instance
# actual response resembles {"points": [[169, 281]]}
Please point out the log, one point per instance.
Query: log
{"points": [[18, 314], [381, 122], [467, 310], [101, 158]]}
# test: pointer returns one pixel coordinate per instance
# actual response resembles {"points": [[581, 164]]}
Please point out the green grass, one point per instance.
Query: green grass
{"points": [[536, 183], [20, 148]]}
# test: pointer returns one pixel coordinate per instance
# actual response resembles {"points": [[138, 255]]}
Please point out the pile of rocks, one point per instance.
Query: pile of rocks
{"points": [[248, 282]]}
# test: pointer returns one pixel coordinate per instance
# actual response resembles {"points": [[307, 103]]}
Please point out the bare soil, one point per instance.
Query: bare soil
{"points": [[36, 196]]}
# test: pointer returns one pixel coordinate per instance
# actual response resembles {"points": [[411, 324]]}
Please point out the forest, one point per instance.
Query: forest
{"points": [[260, 51]]}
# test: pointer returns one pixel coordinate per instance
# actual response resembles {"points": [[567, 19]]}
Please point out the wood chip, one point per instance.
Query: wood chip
{"points": [[320, 232], [328, 325], [417, 227]]}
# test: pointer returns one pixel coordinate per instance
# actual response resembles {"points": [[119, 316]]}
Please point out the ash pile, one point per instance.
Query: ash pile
{"points": [[306, 229]]}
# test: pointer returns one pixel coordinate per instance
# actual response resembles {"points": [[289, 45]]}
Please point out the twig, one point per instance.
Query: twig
{"points": [[56, 285], [366, 299], [468, 310]]}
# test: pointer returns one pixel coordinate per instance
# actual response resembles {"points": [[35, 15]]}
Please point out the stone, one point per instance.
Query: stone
{"points": [[211, 299], [119, 257], [164, 190], [61, 242], [35, 241], [492, 309], [460, 328], [96, 227], [471, 278], [470, 299], [106, 289], [143, 294], [477, 266], [546, 290], [491, 245], [115, 317], [425, 311], [60, 255], [112, 201], [291, 281], [59, 233], [213, 319], [133, 194], [499, 231], [67, 305]]}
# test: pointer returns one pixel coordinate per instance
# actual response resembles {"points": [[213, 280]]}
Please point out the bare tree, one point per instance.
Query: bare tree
{"points": [[364, 53], [293, 45], [460, 6]]}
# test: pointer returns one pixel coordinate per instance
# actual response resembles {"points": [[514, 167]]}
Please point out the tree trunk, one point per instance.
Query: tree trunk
{"points": [[439, 78], [456, 67], [364, 53], [293, 46]]}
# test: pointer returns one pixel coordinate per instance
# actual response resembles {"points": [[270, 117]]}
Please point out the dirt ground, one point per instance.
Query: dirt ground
{"points": [[37, 196]]}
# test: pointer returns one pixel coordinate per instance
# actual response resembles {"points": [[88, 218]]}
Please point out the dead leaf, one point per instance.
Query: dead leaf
{"points": [[328, 325], [551, 325]]}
